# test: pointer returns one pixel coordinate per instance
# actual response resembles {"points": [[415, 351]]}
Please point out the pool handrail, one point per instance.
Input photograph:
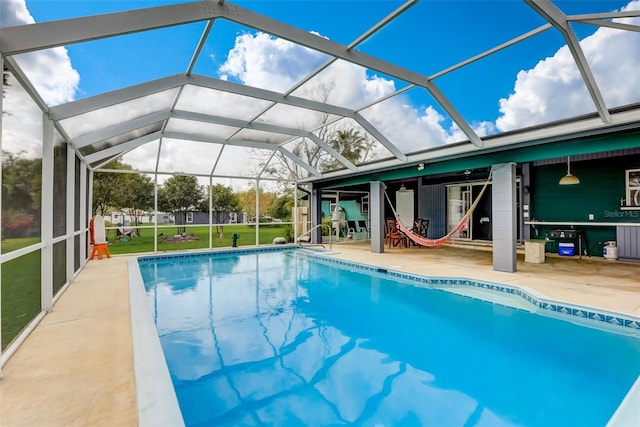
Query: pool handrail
{"points": [[313, 228]]}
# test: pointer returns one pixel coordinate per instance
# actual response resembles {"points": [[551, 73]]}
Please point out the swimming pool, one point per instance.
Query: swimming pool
{"points": [[282, 337]]}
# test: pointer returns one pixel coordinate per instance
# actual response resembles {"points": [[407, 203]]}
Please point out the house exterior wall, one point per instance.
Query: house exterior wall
{"points": [[602, 185], [602, 175]]}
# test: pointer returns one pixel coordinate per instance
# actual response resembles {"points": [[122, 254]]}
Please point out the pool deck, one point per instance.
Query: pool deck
{"points": [[76, 368]]}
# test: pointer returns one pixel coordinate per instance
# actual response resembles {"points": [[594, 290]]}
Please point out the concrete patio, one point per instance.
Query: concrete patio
{"points": [[76, 368]]}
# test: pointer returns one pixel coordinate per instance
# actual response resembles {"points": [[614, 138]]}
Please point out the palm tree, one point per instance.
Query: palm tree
{"points": [[352, 144]]}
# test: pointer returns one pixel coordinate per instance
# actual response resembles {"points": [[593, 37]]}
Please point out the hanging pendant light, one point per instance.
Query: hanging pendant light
{"points": [[569, 179]]}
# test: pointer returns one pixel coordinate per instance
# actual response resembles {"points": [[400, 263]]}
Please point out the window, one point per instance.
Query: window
{"points": [[189, 217], [364, 204], [632, 187]]}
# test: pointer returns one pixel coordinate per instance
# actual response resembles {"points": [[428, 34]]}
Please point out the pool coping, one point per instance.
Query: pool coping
{"points": [[155, 395], [156, 398]]}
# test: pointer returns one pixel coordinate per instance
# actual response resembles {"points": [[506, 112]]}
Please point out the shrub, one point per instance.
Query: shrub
{"points": [[16, 224]]}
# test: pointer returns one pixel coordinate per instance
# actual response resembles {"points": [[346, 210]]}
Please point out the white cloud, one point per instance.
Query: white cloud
{"points": [[263, 61], [551, 90], [56, 87], [52, 75], [21, 122], [554, 88], [13, 13], [50, 71]]}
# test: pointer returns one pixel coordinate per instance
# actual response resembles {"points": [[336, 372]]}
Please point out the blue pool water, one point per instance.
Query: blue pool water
{"points": [[285, 338]]}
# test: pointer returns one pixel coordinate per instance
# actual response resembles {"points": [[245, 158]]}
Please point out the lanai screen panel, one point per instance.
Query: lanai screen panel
{"points": [[122, 112], [348, 85], [413, 121], [506, 97], [219, 103], [258, 59], [261, 136], [453, 82], [201, 129], [176, 153], [370, 147], [283, 168], [124, 61], [434, 35], [143, 158], [296, 117], [239, 161], [121, 139], [620, 86]]}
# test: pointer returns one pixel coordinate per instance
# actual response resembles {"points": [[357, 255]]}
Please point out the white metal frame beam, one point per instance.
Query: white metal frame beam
{"points": [[119, 129], [59, 33], [244, 143], [265, 127], [559, 20], [122, 148], [615, 25], [97, 102]]}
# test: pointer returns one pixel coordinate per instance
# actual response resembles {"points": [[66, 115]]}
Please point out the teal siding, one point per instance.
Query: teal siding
{"points": [[485, 160], [351, 210], [599, 192]]}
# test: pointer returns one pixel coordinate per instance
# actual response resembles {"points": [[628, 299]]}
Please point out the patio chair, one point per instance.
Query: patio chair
{"points": [[394, 235], [352, 230], [98, 238], [362, 228], [420, 227]]}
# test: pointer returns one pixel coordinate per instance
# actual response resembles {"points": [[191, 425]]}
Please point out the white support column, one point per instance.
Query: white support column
{"points": [[504, 214], [376, 210], [257, 212], [46, 216], [71, 194], [83, 213], [295, 209], [89, 209], [315, 207], [90, 195], [155, 210], [210, 212]]}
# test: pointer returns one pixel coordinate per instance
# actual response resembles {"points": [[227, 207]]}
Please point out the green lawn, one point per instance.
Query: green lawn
{"points": [[20, 294], [21, 277], [144, 243], [9, 245]]}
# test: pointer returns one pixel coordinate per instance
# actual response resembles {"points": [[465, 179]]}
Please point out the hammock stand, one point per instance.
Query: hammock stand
{"points": [[423, 241]]}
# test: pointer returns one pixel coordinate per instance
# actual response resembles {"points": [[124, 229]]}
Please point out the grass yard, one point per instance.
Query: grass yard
{"points": [[20, 294], [21, 277], [9, 245], [144, 243]]}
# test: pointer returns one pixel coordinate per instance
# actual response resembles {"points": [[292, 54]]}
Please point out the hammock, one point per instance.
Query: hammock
{"points": [[423, 241]]}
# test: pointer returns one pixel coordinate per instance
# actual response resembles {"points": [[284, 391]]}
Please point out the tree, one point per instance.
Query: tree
{"points": [[282, 206], [353, 145], [5, 78], [223, 202], [109, 188], [356, 146], [307, 150], [137, 197], [248, 202], [21, 195], [180, 194]]}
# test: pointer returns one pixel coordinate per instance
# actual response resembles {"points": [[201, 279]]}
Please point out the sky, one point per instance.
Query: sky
{"points": [[530, 83]]}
